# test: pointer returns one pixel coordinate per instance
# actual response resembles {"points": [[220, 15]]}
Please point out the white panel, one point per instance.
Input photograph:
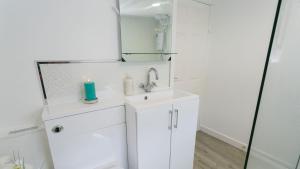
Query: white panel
{"points": [[154, 137], [89, 140], [88, 121], [184, 130], [97, 148]]}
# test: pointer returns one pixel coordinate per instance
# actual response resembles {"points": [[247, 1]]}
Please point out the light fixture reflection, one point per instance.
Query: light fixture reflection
{"points": [[156, 4]]}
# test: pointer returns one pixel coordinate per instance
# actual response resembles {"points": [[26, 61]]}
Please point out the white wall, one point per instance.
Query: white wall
{"points": [[51, 30], [222, 50], [239, 43], [41, 29]]}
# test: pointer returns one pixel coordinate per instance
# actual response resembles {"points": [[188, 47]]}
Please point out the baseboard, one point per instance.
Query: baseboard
{"points": [[269, 159], [223, 137]]}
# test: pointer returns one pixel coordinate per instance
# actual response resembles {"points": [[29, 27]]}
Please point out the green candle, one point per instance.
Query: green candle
{"points": [[90, 92]]}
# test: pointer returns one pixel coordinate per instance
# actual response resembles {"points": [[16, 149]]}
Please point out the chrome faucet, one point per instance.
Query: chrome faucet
{"points": [[150, 85]]}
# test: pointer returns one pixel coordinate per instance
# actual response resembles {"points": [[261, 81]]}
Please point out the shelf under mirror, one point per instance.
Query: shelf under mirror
{"points": [[146, 57], [149, 53]]}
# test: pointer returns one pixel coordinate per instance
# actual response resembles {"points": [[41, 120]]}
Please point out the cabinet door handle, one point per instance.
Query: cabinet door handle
{"points": [[170, 119], [176, 122]]}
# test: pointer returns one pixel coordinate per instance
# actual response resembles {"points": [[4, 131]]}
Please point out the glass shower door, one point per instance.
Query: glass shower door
{"points": [[276, 133]]}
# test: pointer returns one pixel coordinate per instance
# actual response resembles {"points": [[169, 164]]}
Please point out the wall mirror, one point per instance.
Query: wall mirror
{"points": [[146, 30]]}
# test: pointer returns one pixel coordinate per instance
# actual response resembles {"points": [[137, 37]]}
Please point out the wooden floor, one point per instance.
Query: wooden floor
{"points": [[212, 153]]}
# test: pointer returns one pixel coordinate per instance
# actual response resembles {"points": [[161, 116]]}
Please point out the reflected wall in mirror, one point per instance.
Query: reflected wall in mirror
{"points": [[146, 27]]}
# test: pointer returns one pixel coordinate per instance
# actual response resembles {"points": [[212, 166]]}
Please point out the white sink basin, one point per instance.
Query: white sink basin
{"points": [[148, 100]]}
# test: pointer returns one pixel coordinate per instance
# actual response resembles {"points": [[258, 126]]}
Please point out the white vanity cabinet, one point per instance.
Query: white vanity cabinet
{"points": [[161, 132]]}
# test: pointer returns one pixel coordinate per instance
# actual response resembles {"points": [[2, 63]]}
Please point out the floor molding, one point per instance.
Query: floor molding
{"points": [[269, 159], [223, 137]]}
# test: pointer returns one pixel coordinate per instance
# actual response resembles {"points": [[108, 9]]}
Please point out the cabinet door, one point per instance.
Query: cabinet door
{"points": [[185, 115], [154, 137]]}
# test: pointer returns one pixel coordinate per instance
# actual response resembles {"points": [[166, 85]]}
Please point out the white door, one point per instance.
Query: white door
{"points": [[191, 63], [154, 137], [184, 134]]}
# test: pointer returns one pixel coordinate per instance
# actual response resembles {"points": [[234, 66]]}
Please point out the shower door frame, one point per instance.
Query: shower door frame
{"points": [[275, 23]]}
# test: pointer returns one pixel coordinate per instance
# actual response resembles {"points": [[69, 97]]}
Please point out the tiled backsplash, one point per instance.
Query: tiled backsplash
{"points": [[63, 82]]}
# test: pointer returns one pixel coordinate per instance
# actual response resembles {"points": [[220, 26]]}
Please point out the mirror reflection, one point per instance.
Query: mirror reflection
{"points": [[146, 29]]}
